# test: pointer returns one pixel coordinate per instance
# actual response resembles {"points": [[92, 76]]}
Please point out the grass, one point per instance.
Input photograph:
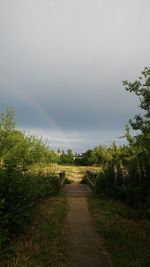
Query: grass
{"points": [[41, 245], [126, 237], [73, 173]]}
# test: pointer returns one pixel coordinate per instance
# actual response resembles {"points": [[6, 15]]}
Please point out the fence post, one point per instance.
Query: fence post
{"points": [[61, 179]]}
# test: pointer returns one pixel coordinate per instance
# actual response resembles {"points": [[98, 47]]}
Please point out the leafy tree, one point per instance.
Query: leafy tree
{"points": [[67, 158], [12, 142], [141, 122], [141, 88], [7, 122]]}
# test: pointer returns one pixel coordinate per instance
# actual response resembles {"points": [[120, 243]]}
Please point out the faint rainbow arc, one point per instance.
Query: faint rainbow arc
{"points": [[31, 100]]}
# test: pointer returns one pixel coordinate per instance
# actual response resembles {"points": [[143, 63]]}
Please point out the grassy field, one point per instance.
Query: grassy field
{"points": [[73, 173], [125, 236], [40, 246]]}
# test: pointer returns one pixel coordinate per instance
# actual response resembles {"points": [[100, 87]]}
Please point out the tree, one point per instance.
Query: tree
{"points": [[7, 122], [67, 158], [141, 142], [141, 88], [126, 174]]}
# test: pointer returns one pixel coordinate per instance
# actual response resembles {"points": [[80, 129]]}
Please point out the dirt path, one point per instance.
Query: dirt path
{"points": [[83, 246]]}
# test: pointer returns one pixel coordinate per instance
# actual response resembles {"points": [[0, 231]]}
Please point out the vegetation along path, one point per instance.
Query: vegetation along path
{"points": [[83, 247]]}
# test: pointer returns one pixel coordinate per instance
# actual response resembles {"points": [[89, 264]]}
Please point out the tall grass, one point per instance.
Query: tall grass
{"points": [[19, 194], [41, 243], [126, 236]]}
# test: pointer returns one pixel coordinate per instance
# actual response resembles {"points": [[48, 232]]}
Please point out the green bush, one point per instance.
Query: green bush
{"points": [[18, 196], [44, 186]]}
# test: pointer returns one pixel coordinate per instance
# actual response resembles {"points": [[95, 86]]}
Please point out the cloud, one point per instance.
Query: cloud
{"points": [[63, 62], [77, 141]]}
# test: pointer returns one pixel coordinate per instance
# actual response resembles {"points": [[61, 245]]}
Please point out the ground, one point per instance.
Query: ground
{"points": [[82, 245]]}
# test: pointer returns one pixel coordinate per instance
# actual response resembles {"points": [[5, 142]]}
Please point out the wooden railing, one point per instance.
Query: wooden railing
{"points": [[91, 178], [61, 179]]}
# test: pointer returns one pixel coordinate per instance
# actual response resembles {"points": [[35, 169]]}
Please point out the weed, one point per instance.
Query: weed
{"points": [[41, 244], [126, 235]]}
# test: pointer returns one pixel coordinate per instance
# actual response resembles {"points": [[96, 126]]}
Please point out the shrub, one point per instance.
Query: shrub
{"points": [[18, 196]]}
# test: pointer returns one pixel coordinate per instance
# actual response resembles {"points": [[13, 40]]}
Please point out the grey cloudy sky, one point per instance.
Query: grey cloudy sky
{"points": [[62, 64]]}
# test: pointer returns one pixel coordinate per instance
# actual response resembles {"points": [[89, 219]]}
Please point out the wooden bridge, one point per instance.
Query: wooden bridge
{"points": [[78, 190]]}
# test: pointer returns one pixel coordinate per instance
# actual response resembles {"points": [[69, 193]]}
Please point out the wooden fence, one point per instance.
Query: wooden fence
{"points": [[91, 178], [61, 179]]}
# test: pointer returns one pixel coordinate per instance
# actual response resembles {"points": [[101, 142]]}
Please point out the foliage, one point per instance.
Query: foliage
{"points": [[126, 236], [19, 194], [19, 190], [127, 168], [18, 150], [67, 158], [41, 243], [85, 159]]}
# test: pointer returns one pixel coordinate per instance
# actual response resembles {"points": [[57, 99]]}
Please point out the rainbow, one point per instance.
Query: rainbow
{"points": [[37, 106]]}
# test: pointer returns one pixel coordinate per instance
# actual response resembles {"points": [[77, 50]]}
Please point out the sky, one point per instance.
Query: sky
{"points": [[62, 64]]}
